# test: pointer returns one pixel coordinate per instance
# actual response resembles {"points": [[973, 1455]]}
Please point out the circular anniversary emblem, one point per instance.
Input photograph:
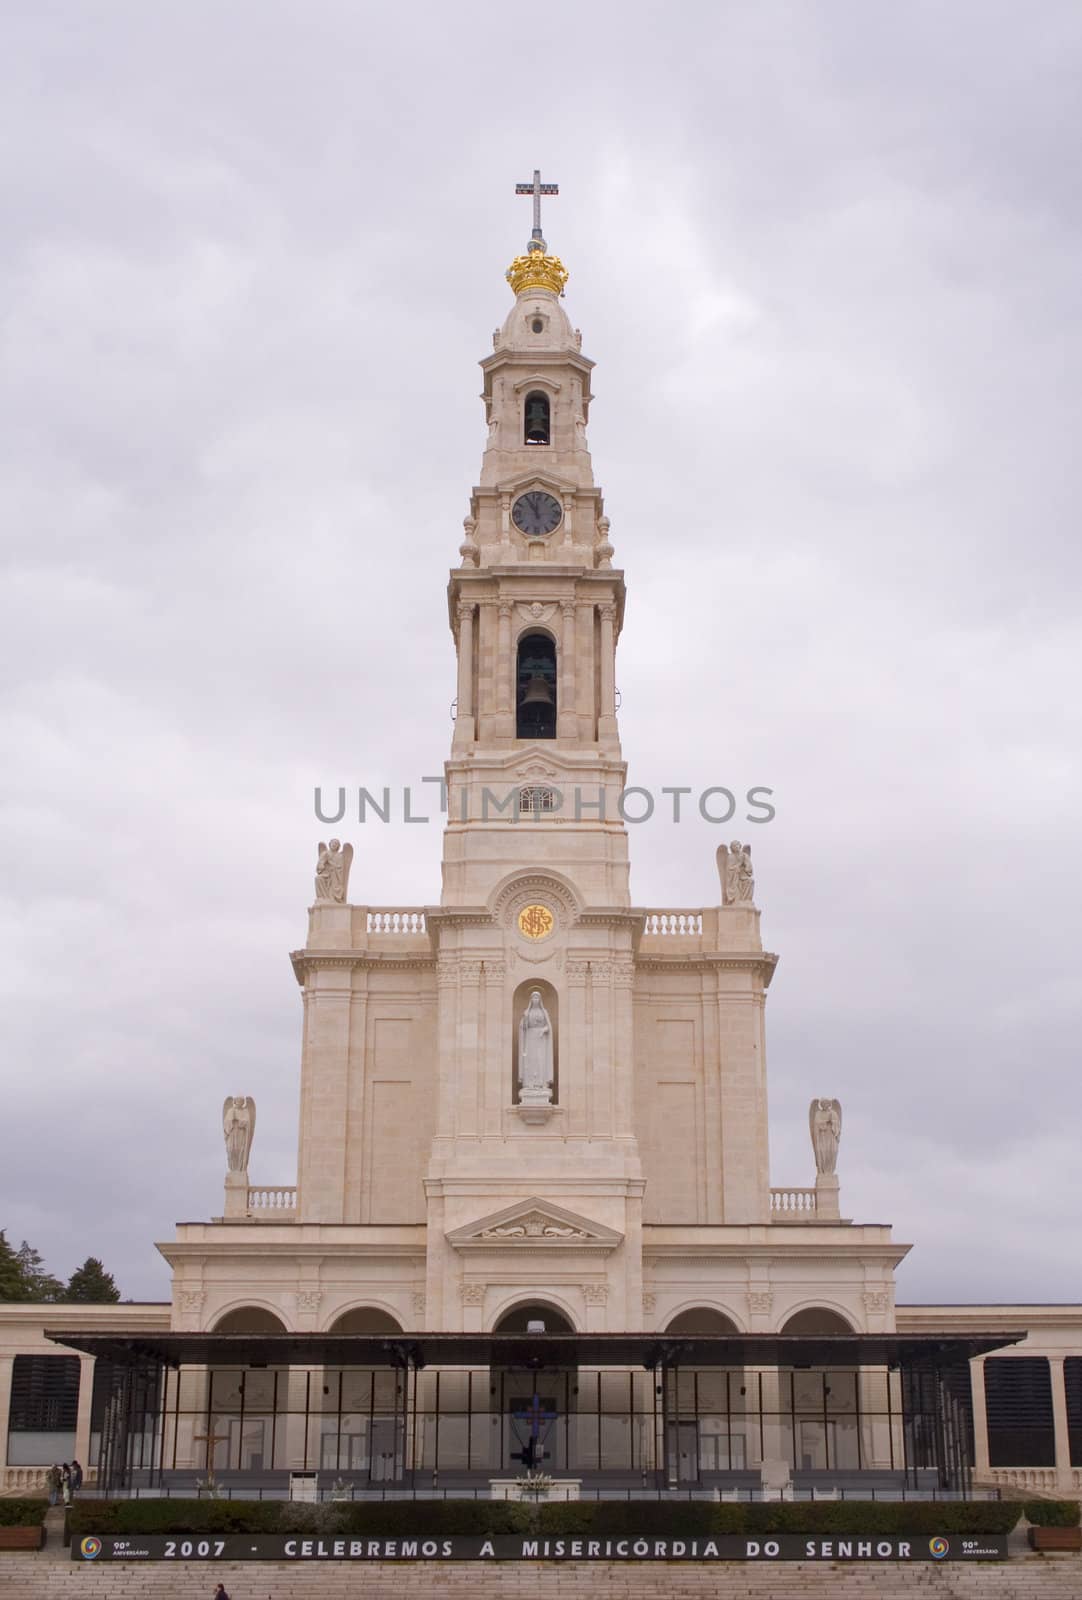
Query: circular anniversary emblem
{"points": [[90, 1547], [535, 922]]}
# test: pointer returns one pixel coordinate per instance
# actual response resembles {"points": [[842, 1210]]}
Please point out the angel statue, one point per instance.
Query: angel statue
{"points": [[332, 871], [238, 1126], [735, 872], [825, 1123], [535, 1051]]}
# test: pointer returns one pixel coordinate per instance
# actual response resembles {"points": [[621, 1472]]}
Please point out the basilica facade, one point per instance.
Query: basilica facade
{"points": [[533, 1223], [611, 1162]]}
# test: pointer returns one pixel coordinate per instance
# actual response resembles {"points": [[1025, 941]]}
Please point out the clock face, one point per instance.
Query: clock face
{"points": [[536, 513]]}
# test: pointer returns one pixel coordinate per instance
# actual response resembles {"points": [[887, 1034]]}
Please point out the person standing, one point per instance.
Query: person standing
{"points": [[65, 1483], [52, 1483], [219, 1593], [76, 1478]]}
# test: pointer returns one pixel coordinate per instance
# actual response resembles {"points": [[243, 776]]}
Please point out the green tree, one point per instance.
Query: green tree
{"points": [[13, 1284], [40, 1284], [90, 1284]]}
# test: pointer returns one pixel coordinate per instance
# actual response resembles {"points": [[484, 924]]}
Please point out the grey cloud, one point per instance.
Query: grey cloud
{"points": [[826, 258]]}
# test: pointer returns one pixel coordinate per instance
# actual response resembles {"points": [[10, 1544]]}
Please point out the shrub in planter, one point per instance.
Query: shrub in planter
{"points": [[1053, 1513], [881, 1516], [22, 1513]]}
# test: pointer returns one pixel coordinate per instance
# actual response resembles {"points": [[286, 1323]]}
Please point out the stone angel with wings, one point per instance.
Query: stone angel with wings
{"points": [[332, 871]]}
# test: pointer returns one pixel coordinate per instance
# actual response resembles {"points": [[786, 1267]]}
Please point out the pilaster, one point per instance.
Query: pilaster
{"points": [[981, 1463], [83, 1415], [1064, 1475], [7, 1367]]}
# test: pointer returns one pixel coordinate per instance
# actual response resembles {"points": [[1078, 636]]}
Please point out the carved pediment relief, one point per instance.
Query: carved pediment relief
{"points": [[534, 1224]]}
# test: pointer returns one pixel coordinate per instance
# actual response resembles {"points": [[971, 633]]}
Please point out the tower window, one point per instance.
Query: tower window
{"points": [[537, 419], [535, 799], [535, 699], [537, 325]]}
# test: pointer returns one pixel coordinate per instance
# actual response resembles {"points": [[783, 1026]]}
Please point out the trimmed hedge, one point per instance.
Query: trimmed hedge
{"points": [[1053, 1513], [22, 1513], [392, 1518]]}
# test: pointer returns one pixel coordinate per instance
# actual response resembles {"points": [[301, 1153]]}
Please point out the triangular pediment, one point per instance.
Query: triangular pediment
{"points": [[534, 1223]]}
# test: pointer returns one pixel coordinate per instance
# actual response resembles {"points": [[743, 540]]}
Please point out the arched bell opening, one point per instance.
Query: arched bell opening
{"points": [[537, 1403], [550, 1000], [537, 419], [535, 687]]}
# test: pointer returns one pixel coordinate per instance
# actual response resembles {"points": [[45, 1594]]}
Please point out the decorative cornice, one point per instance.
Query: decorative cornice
{"points": [[762, 963], [305, 961]]}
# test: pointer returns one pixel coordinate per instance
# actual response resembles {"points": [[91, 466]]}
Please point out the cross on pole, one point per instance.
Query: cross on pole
{"points": [[535, 1414], [210, 1438], [537, 189]]}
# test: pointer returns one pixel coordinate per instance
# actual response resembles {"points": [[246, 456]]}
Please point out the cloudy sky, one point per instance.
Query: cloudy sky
{"points": [[827, 257]]}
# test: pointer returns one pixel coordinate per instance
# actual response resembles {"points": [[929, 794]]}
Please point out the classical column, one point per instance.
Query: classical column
{"points": [[1059, 1422], [464, 717], [505, 671], [606, 722], [566, 722], [494, 1088]]}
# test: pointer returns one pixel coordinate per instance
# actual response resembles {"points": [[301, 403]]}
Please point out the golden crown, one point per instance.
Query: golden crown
{"points": [[537, 270]]}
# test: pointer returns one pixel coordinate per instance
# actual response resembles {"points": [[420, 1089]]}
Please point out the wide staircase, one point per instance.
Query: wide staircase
{"points": [[1024, 1578]]}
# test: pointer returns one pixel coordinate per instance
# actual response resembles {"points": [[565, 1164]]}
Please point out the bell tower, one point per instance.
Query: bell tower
{"points": [[535, 934], [536, 609]]}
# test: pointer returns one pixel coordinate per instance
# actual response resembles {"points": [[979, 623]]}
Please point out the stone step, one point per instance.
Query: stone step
{"points": [[1028, 1578]]}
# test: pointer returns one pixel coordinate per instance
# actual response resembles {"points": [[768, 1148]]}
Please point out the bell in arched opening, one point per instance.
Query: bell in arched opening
{"points": [[538, 428], [535, 699]]}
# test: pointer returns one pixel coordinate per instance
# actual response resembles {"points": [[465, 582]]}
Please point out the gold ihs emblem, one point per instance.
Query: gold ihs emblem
{"points": [[535, 922]]}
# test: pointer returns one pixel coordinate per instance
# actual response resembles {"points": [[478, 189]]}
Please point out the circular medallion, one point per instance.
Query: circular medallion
{"points": [[535, 922]]}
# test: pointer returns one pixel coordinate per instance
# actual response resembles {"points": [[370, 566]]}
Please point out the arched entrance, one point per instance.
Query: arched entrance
{"points": [[363, 1426], [365, 1319], [535, 1399], [703, 1320], [817, 1319], [249, 1319], [243, 1428], [702, 1437]]}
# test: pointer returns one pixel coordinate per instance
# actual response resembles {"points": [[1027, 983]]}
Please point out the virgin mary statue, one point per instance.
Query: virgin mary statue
{"points": [[535, 1052]]}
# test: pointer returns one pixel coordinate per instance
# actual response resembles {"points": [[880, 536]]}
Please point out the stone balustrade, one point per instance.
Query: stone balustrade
{"points": [[280, 1199], [799, 1203], [674, 924], [19, 1479], [388, 919], [1045, 1479]]}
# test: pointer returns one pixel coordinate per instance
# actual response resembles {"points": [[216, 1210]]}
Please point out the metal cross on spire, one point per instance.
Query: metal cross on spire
{"points": [[537, 189]]}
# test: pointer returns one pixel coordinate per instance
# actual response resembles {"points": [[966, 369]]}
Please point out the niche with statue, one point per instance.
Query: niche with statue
{"points": [[535, 1047]]}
